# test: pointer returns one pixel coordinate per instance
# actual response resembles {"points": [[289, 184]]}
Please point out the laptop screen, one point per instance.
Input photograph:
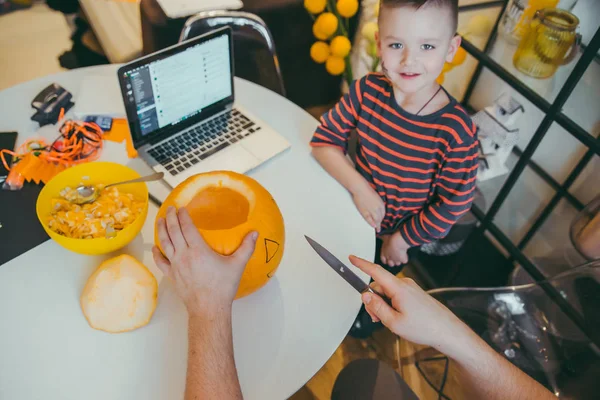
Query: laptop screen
{"points": [[177, 89]]}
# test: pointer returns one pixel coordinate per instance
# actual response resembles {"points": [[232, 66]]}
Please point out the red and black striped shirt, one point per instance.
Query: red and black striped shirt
{"points": [[423, 167]]}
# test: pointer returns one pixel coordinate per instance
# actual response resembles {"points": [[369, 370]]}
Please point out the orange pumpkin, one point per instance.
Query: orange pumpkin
{"points": [[225, 206]]}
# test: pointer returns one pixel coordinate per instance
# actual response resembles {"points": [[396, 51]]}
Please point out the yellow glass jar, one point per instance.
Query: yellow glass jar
{"points": [[551, 41], [531, 7]]}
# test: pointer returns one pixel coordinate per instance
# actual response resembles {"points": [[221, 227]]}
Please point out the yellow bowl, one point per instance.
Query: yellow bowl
{"points": [[97, 172]]}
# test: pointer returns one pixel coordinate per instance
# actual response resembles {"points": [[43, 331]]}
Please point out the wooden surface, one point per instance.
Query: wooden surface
{"points": [[386, 347]]}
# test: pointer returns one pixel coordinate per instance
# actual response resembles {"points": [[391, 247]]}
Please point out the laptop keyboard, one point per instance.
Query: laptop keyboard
{"points": [[194, 145]]}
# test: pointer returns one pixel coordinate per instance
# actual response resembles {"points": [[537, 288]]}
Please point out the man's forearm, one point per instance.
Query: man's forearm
{"points": [[211, 372], [487, 375], [333, 160]]}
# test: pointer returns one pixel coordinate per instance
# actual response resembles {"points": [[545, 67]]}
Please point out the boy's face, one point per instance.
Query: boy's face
{"points": [[414, 44]]}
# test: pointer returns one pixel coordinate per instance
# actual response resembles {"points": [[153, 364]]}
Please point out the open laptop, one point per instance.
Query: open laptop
{"points": [[180, 108]]}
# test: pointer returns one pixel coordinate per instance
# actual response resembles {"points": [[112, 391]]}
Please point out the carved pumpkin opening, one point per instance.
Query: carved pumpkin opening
{"points": [[217, 208]]}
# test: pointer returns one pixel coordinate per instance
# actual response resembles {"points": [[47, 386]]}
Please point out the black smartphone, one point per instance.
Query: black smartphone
{"points": [[7, 142], [104, 122]]}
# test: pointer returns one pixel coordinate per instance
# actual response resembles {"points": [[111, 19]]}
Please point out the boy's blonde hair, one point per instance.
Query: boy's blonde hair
{"points": [[451, 5]]}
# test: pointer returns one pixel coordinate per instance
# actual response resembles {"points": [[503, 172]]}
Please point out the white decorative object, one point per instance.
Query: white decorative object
{"points": [[360, 59], [497, 135], [117, 26]]}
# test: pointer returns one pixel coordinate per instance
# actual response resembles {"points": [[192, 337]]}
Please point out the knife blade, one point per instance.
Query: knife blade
{"points": [[339, 266], [343, 271]]}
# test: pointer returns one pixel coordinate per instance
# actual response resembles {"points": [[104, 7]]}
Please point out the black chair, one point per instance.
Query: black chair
{"points": [[255, 58]]}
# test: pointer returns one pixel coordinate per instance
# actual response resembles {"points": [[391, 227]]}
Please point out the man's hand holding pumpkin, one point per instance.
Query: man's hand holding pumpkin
{"points": [[206, 281]]}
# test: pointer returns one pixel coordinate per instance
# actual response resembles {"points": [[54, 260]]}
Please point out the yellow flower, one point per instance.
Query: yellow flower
{"points": [[340, 46], [372, 49], [318, 34], [325, 25], [319, 52], [335, 65], [368, 31], [315, 6], [347, 8], [459, 57]]}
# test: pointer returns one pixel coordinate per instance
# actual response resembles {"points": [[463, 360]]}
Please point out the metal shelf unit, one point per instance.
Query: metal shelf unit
{"points": [[553, 114]]}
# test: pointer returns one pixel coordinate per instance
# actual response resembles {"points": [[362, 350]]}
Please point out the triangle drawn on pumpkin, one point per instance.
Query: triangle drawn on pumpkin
{"points": [[271, 248]]}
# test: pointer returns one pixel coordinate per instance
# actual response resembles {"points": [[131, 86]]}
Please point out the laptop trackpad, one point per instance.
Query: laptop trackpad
{"points": [[265, 143], [234, 158]]}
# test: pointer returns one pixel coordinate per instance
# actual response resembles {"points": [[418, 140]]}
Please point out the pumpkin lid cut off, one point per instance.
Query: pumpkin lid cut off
{"points": [[120, 295]]}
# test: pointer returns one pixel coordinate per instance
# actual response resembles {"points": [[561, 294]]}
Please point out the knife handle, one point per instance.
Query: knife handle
{"points": [[385, 298]]}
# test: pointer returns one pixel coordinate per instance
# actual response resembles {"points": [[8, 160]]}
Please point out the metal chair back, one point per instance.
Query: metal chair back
{"points": [[255, 58]]}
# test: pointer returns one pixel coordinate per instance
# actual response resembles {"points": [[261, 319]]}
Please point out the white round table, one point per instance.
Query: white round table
{"points": [[283, 334]]}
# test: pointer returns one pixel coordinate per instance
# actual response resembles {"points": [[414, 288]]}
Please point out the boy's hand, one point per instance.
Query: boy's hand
{"points": [[368, 202], [370, 206], [393, 251]]}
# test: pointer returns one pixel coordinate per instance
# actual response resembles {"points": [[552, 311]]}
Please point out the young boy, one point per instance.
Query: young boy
{"points": [[416, 158]]}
